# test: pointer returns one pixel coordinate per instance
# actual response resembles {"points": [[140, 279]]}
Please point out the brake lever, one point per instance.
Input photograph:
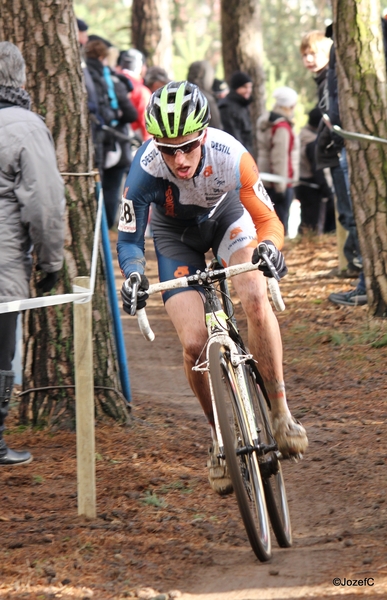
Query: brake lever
{"points": [[134, 280], [263, 253]]}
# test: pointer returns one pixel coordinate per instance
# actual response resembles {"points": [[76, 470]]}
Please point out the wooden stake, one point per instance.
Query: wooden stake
{"points": [[84, 402]]}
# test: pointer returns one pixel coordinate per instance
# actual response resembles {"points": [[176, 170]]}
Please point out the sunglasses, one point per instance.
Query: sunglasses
{"points": [[186, 148]]}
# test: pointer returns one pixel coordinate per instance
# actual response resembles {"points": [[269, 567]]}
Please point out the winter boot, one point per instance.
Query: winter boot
{"points": [[8, 457]]}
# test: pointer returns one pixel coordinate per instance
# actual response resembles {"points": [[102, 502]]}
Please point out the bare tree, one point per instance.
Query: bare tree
{"points": [[361, 73], [243, 47], [46, 34], [151, 31]]}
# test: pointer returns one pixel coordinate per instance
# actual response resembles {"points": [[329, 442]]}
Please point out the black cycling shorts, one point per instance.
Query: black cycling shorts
{"points": [[181, 249]]}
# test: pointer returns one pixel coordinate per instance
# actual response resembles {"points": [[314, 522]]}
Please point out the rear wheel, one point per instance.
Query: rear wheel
{"points": [[270, 466], [242, 465]]}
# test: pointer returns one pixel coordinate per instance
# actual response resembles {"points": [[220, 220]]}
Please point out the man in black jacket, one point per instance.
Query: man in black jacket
{"points": [[234, 110]]}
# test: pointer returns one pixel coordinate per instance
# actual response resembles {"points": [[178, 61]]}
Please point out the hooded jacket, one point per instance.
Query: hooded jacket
{"points": [[278, 148], [31, 197]]}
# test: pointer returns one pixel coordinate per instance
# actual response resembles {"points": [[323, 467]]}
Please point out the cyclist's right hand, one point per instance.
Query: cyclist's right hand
{"points": [[274, 255], [133, 293]]}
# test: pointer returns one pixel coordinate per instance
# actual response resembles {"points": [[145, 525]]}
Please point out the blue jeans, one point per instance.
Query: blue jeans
{"points": [[344, 207], [111, 185]]}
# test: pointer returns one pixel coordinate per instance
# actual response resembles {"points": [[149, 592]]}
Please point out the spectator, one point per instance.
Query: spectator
{"points": [[317, 204], [384, 33], [318, 56], [96, 119], [118, 162], [132, 64], [83, 36], [155, 78], [31, 215], [201, 73], [220, 89], [278, 150], [234, 109], [116, 110]]}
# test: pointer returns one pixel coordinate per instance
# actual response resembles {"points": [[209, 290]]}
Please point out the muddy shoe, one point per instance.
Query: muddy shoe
{"points": [[290, 436], [218, 475]]}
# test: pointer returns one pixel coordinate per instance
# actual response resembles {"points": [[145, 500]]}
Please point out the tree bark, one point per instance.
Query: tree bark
{"points": [[243, 48], [361, 74], [151, 31], [45, 32]]}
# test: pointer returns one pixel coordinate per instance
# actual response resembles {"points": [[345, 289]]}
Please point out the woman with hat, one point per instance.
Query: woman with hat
{"points": [[278, 150]]}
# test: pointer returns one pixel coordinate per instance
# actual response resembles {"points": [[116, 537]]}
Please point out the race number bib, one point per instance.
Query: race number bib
{"points": [[127, 220], [262, 194]]}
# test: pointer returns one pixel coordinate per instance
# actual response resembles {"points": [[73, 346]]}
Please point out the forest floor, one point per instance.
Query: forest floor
{"points": [[160, 531]]}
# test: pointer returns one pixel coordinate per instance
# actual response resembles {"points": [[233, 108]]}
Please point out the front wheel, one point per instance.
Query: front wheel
{"points": [[271, 471], [242, 465]]}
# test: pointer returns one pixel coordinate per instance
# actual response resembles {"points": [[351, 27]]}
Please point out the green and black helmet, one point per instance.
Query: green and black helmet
{"points": [[178, 108]]}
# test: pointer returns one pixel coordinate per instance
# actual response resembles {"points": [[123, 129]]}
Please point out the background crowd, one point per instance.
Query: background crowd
{"points": [[309, 166]]}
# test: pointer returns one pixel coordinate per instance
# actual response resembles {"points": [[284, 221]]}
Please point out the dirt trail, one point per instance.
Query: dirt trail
{"points": [[337, 493], [159, 525]]}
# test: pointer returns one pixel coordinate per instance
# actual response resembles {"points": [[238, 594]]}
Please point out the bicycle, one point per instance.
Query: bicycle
{"points": [[240, 403]]}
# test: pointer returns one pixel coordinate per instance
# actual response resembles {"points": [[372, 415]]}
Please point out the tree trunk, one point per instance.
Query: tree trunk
{"points": [[361, 74], [46, 34], [151, 31], [243, 48]]}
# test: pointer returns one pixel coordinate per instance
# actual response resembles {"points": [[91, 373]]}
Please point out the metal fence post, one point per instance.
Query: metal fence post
{"points": [[84, 401]]}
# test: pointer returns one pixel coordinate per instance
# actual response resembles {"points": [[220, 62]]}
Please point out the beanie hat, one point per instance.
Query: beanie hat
{"points": [[82, 26], [219, 85], [97, 38], [285, 97], [132, 59], [238, 79]]}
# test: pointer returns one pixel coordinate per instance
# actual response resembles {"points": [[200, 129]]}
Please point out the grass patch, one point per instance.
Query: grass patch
{"points": [[151, 499]]}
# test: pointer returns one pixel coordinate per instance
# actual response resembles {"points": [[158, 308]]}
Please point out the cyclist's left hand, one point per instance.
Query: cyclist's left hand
{"points": [[276, 257]]}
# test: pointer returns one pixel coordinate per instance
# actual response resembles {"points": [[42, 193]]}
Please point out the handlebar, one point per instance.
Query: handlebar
{"points": [[200, 278]]}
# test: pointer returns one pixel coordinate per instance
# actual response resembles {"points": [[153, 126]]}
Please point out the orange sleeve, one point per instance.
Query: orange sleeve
{"points": [[257, 202]]}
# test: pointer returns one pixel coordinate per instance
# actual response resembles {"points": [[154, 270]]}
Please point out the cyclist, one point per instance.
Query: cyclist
{"points": [[207, 194]]}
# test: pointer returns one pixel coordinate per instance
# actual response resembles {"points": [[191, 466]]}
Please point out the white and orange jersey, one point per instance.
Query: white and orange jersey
{"points": [[225, 165]]}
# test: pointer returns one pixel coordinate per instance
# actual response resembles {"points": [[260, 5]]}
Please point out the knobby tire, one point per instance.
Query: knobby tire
{"points": [[244, 470], [271, 471]]}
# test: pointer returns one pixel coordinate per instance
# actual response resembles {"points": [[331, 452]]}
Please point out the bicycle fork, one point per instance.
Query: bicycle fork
{"points": [[217, 328]]}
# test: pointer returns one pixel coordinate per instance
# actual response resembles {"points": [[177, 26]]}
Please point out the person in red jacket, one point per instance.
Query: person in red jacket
{"points": [[132, 64], [278, 150]]}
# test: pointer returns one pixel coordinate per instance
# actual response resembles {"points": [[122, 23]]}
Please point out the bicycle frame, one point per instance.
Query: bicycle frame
{"points": [[218, 329], [218, 332]]}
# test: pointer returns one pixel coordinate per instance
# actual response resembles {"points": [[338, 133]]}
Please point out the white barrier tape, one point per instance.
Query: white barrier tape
{"points": [[351, 135], [83, 295], [279, 179], [91, 174], [19, 305]]}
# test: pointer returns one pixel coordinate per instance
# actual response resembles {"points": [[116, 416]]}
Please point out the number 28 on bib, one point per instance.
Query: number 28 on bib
{"points": [[127, 220]]}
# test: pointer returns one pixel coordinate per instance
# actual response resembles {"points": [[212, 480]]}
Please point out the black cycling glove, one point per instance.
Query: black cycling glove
{"points": [[276, 257], [142, 296]]}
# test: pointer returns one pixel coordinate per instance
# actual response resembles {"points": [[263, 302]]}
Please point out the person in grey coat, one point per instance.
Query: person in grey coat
{"points": [[202, 74], [31, 216]]}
